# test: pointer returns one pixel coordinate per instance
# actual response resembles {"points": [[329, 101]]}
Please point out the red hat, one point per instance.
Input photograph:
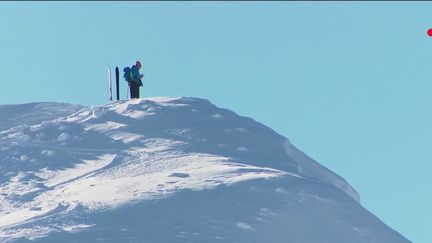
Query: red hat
{"points": [[138, 63]]}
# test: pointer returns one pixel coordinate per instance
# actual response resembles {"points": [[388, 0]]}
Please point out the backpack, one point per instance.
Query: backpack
{"points": [[127, 74]]}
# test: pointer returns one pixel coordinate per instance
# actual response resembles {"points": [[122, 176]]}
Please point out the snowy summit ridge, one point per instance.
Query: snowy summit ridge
{"points": [[167, 170]]}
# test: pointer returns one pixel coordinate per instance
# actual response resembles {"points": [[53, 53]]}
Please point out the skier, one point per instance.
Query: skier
{"points": [[134, 80]]}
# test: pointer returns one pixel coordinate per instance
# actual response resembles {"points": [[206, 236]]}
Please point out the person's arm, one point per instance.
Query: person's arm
{"points": [[135, 73], [139, 75]]}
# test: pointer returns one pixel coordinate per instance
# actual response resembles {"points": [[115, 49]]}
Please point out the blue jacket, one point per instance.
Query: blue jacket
{"points": [[135, 75]]}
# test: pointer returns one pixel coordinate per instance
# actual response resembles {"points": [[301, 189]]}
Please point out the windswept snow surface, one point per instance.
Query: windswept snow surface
{"points": [[166, 170]]}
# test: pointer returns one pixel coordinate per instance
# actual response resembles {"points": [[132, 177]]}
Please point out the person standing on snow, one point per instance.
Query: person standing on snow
{"points": [[135, 80]]}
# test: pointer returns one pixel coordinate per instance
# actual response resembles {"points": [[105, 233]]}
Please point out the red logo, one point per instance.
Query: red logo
{"points": [[429, 32]]}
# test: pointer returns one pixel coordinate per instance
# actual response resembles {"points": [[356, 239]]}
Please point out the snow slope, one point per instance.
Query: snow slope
{"points": [[166, 170]]}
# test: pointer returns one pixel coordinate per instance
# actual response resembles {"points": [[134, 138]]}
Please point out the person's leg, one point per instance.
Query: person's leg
{"points": [[134, 88], [132, 91]]}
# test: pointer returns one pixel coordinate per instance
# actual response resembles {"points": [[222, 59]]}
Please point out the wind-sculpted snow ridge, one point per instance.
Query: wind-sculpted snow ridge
{"points": [[167, 170], [33, 113]]}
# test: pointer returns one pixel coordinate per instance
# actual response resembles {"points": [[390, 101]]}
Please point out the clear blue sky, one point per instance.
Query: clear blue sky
{"points": [[349, 83]]}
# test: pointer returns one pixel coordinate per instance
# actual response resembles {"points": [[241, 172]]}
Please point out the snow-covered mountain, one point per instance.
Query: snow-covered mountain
{"points": [[167, 170]]}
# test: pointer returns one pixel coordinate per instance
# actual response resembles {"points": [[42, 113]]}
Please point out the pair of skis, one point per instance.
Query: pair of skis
{"points": [[117, 75]]}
